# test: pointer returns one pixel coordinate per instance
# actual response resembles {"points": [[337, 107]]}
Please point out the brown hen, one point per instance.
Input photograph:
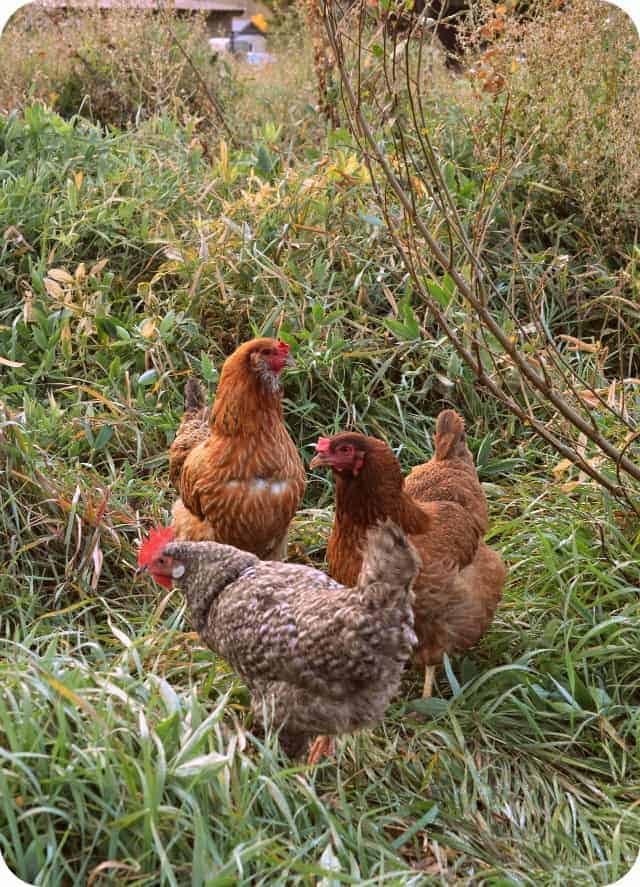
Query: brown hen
{"points": [[442, 508], [238, 473]]}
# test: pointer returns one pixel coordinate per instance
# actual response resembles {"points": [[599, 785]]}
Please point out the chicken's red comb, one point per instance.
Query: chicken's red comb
{"points": [[154, 543], [282, 346], [323, 445]]}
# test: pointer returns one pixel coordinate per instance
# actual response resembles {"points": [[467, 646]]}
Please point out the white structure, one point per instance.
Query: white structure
{"points": [[246, 38]]}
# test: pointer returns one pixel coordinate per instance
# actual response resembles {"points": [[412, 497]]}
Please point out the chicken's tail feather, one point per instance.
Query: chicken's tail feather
{"points": [[451, 440], [195, 396], [390, 562]]}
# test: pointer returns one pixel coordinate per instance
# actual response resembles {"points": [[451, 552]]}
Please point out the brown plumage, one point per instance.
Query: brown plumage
{"points": [[451, 474], [442, 508], [238, 473], [320, 657], [193, 428]]}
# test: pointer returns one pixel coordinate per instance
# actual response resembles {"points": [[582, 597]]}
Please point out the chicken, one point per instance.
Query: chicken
{"points": [[238, 473], [323, 658], [441, 506], [451, 474]]}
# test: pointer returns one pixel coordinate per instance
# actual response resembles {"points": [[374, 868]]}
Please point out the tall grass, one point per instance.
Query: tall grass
{"points": [[130, 258]]}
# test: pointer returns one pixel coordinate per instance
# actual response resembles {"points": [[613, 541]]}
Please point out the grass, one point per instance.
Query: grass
{"points": [[133, 257]]}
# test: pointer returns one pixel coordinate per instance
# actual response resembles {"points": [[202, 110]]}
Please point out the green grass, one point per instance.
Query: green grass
{"points": [[123, 739], [131, 259]]}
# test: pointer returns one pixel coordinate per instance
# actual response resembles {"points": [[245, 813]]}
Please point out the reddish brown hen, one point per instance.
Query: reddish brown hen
{"points": [[443, 510], [451, 474], [238, 473]]}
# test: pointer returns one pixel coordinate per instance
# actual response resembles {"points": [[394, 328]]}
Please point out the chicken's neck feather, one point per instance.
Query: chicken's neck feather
{"points": [[210, 568], [244, 404], [375, 495]]}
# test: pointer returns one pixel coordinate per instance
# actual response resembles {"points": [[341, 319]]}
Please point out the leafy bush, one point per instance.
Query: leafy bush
{"points": [[572, 75], [120, 66]]}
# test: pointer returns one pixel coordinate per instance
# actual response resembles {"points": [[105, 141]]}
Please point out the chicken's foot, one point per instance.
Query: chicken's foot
{"points": [[429, 677], [321, 748]]}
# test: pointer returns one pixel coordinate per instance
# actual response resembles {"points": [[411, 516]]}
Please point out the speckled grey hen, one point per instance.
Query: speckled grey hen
{"points": [[322, 658]]}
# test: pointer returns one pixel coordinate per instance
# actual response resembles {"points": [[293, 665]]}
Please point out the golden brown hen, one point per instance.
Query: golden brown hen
{"points": [[443, 510], [238, 473]]}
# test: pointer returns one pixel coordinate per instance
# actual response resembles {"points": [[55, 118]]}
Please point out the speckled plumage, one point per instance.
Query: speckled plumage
{"points": [[237, 470], [323, 658]]}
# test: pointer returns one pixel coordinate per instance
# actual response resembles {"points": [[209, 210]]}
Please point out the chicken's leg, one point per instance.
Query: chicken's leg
{"points": [[279, 553], [322, 747], [429, 676]]}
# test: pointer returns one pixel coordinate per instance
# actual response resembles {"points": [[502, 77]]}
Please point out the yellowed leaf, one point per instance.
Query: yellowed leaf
{"points": [[98, 396], [148, 328], [97, 558], [70, 695], [78, 178], [574, 344], [561, 468], [60, 274], [589, 398], [27, 308], [98, 267], [81, 272], [570, 486], [54, 289], [108, 865], [86, 326], [10, 363], [65, 334]]}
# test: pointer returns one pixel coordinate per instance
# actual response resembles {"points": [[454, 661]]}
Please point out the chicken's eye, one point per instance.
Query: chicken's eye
{"points": [[267, 351]]}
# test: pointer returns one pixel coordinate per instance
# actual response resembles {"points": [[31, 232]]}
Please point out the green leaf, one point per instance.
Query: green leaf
{"points": [[410, 321], [484, 452], [207, 369], [426, 819], [167, 323], [439, 293], [453, 681], [104, 436]]}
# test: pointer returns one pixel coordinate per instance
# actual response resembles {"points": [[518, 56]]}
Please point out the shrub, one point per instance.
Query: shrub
{"points": [[114, 66]]}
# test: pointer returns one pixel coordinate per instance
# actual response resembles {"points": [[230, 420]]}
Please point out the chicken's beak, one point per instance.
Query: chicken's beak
{"points": [[290, 361], [140, 570], [320, 460]]}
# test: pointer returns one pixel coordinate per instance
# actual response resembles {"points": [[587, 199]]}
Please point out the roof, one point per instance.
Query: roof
{"points": [[254, 25], [237, 8]]}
